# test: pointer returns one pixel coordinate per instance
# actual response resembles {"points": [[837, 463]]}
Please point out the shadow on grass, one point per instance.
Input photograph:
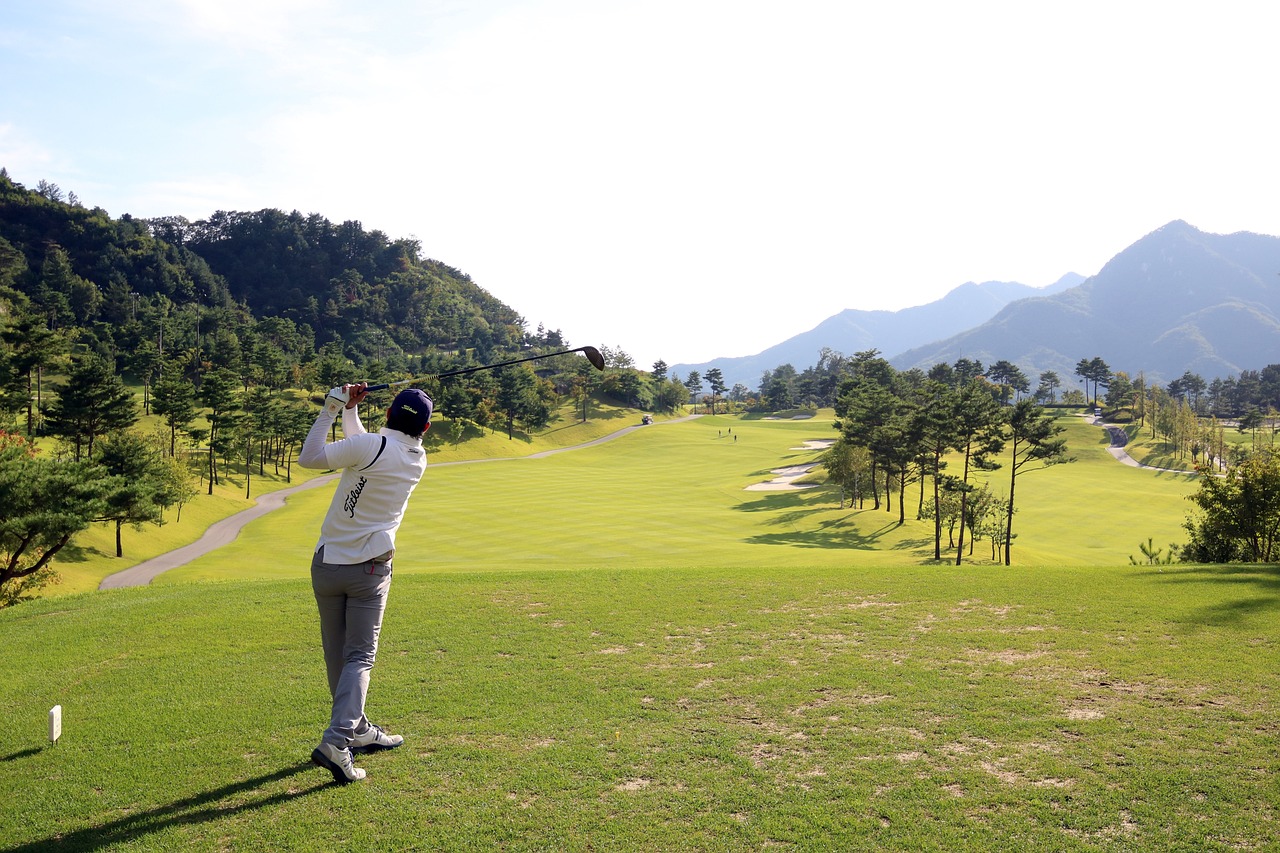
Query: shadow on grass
{"points": [[26, 753], [1259, 582], [200, 808], [837, 535], [788, 415], [606, 416], [72, 553], [805, 500], [794, 509]]}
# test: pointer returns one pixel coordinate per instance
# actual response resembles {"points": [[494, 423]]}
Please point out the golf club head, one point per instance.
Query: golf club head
{"points": [[593, 355]]}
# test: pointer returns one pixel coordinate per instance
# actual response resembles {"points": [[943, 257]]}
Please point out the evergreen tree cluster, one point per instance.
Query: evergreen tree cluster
{"points": [[937, 431]]}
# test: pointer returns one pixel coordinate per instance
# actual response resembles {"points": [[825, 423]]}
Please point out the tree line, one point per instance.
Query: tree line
{"points": [[1251, 395], [222, 329]]}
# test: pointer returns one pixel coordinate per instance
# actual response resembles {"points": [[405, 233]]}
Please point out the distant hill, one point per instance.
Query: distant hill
{"points": [[853, 330], [210, 283], [1179, 299]]}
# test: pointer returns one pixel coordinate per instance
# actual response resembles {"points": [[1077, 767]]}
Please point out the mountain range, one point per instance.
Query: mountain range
{"points": [[1177, 300], [853, 330]]}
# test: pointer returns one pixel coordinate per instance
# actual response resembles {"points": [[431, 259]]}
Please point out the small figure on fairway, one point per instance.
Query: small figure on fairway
{"points": [[351, 567]]}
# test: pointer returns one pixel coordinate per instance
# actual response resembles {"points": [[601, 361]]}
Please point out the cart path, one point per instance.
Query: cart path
{"points": [[220, 533], [1119, 438], [225, 531]]}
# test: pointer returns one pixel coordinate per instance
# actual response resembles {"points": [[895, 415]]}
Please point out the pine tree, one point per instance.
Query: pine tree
{"points": [[46, 503], [32, 347], [978, 427], [93, 402], [140, 487], [174, 400]]}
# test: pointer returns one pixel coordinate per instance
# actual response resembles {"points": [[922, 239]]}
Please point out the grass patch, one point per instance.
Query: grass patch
{"points": [[92, 556], [700, 708], [669, 495]]}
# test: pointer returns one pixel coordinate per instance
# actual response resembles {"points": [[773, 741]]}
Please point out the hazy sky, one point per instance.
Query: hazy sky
{"points": [[684, 179]]}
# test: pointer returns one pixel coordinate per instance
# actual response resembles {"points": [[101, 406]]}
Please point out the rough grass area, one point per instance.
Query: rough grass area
{"points": [[912, 708]]}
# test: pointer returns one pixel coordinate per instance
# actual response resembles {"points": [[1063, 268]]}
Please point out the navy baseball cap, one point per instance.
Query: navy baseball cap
{"points": [[410, 411]]}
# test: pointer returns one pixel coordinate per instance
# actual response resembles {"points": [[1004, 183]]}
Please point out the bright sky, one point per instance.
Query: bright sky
{"points": [[684, 179]]}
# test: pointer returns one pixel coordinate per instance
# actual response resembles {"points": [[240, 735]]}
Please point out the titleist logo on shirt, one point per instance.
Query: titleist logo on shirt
{"points": [[353, 497]]}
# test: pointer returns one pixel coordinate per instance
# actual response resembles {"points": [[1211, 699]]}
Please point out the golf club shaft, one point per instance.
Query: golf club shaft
{"points": [[592, 354]]}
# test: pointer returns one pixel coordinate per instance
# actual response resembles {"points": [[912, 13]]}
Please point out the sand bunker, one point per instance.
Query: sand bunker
{"points": [[783, 479], [816, 444]]}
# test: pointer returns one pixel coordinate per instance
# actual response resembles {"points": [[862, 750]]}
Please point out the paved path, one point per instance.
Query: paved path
{"points": [[219, 533], [225, 531], [1119, 438]]}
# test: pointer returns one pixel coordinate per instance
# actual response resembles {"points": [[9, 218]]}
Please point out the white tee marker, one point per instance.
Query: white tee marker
{"points": [[55, 723]]}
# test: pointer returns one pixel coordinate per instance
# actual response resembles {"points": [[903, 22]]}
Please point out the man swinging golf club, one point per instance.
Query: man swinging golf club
{"points": [[351, 568]]}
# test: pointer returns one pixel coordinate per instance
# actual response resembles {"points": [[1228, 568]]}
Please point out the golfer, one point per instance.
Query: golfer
{"points": [[351, 568]]}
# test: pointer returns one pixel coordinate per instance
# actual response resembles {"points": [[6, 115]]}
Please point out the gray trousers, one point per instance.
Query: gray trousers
{"points": [[351, 599]]}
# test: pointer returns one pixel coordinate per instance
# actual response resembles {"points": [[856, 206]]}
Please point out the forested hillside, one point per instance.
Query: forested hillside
{"points": [[274, 300], [217, 331], [122, 280]]}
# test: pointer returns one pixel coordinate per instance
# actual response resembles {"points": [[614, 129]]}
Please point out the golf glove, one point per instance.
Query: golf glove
{"points": [[335, 401]]}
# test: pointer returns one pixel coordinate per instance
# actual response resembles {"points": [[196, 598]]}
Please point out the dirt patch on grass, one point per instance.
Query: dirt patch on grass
{"points": [[831, 698], [1084, 714], [1005, 656]]}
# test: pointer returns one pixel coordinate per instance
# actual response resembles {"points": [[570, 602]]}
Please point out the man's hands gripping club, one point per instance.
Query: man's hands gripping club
{"points": [[347, 396]]}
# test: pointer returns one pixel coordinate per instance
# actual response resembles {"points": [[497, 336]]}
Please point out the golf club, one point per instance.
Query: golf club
{"points": [[593, 355]]}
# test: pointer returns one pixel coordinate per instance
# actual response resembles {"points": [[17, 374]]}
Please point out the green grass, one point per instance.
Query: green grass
{"points": [[1159, 453], [672, 495], [92, 557], [649, 709], [619, 648], [680, 487]]}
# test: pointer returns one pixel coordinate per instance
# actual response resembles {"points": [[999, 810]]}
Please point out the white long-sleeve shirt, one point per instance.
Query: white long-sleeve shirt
{"points": [[380, 472]]}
